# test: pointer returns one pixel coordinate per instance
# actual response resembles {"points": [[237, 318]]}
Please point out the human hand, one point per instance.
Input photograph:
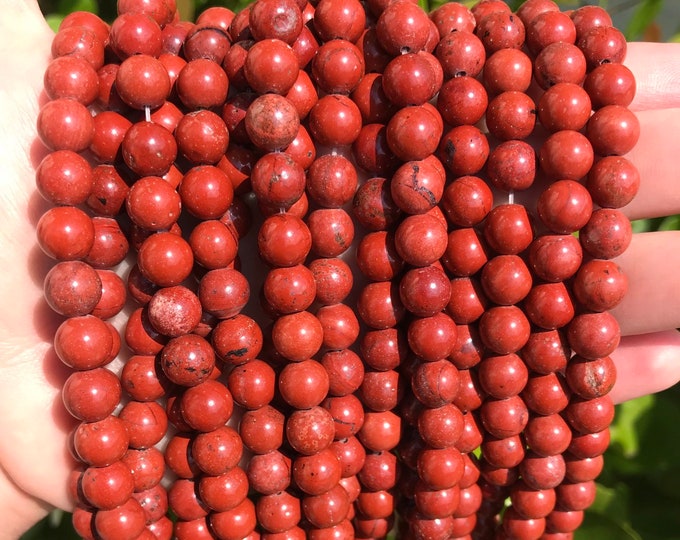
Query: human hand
{"points": [[34, 452]]}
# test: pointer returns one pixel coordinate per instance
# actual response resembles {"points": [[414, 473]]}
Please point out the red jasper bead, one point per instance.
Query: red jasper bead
{"points": [[461, 53], [417, 186], [206, 192], [504, 417], [464, 150], [271, 66], [594, 335], [613, 181], [500, 30], [327, 509], [425, 291], [147, 466], [65, 233], [502, 453], [613, 130], [549, 305], [402, 28], [432, 338], [511, 115], [149, 149], [187, 360], [380, 431], [373, 206], [91, 395], [467, 201], [107, 487], [271, 122], [339, 20], [590, 415], [178, 456], [564, 106], [348, 413], [310, 430], [507, 70], [225, 491], [607, 234], [252, 384], [109, 248], [84, 342], [71, 77], [213, 244], [512, 166], [337, 67], [206, 406], [542, 472], [146, 423], [379, 472], [202, 137], [237, 339], [610, 84], [547, 435], [140, 336], [503, 376], [441, 427], [555, 258], [380, 390], [559, 62], [109, 191], [332, 231], [317, 473], [333, 279], [331, 180], [303, 384], [506, 279], [340, 326], [591, 378], [435, 383], [223, 292], [504, 329], [546, 394], [600, 285], [335, 120], [462, 100], [379, 305], [583, 470], [345, 371], [201, 84], [421, 239], [278, 512], [297, 336], [508, 229], [64, 178], [262, 429], [65, 124], [101, 443], [284, 240], [217, 451], [351, 454], [290, 289], [234, 524], [546, 351]]}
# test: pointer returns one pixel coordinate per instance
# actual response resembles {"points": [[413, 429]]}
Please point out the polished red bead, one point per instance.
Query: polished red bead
{"points": [[262, 429]]}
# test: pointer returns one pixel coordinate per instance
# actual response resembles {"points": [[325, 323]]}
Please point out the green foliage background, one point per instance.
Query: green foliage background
{"points": [[638, 496]]}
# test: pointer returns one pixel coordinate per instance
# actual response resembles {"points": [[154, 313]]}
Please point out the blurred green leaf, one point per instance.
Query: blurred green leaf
{"points": [[54, 20], [69, 6], [644, 15], [624, 429], [600, 527], [670, 223]]}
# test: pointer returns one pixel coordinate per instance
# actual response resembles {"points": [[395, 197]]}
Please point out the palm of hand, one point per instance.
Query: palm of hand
{"points": [[33, 450]]}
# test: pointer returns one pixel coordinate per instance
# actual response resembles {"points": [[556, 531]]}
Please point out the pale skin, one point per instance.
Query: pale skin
{"points": [[34, 461]]}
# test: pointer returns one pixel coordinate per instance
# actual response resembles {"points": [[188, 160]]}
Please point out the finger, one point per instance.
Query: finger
{"points": [[646, 364], [651, 264], [656, 156], [657, 72]]}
